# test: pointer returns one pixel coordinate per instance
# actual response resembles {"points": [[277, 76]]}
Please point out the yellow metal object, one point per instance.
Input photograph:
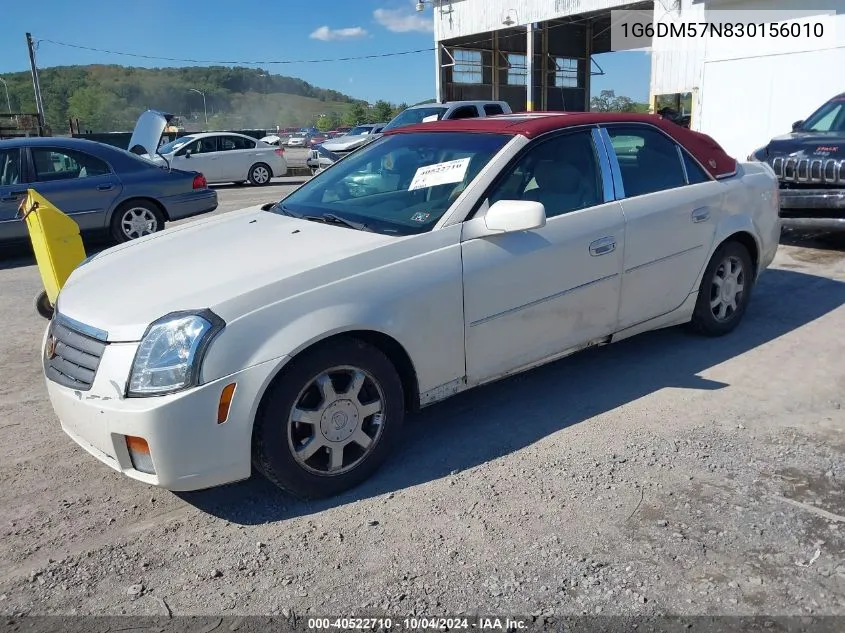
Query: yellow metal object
{"points": [[55, 240]]}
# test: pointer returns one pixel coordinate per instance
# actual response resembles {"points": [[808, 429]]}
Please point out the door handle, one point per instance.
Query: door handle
{"points": [[701, 215], [105, 187], [13, 195], [602, 246]]}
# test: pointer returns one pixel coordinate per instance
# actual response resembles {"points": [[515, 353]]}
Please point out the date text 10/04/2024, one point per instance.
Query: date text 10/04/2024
{"points": [[772, 30], [419, 624]]}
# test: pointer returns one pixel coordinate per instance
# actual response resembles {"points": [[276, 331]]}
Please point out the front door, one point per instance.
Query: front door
{"points": [[533, 295], [76, 183], [672, 207], [12, 192], [201, 156]]}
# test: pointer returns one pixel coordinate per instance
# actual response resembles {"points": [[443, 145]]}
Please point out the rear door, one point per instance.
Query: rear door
{"points": [[237, 155], [77, 183], [672, 207], [12, 191]]}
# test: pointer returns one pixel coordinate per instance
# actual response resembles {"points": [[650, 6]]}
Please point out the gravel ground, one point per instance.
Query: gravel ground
{"points": [[665, 474]]}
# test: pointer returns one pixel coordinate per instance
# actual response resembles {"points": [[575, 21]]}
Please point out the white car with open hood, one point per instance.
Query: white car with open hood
{"points": [[442, 256]]}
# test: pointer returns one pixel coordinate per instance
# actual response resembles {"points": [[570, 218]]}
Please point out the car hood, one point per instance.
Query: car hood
{"points": [[346, 142], [147, 133], [808, 144], [217, 263]]}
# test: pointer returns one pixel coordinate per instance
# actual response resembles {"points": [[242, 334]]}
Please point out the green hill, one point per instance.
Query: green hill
{"points": [[110, 98]]}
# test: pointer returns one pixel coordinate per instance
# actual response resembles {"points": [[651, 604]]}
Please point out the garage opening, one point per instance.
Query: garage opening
{"points": [[555, 57]]}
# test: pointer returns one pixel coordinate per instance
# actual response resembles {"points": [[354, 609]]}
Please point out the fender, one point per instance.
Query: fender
{"points": [[425, 318]]}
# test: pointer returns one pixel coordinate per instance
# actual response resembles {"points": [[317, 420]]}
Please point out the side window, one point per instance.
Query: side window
{"points": [[464, 112], [695, 173], [563, 173], [65, 164], [10, 167], [200, 146], [491, 109], [648, 160], [228, 143]]}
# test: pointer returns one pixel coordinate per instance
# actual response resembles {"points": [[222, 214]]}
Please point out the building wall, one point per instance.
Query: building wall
{"points": [[747, 91], [459, 18]]}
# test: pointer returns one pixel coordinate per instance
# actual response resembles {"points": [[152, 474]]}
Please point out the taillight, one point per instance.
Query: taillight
{"points": [[200, 182], [280, 151]]}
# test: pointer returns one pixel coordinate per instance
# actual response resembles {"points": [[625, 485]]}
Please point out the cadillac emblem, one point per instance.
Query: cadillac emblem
{"points": [[50, 347]]}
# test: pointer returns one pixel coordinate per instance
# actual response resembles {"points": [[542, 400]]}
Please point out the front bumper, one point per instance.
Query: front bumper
{"points": [[188, 448], [822, 209], [191, 204]]}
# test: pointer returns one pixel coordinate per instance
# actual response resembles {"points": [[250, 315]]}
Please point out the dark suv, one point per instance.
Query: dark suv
{"points": [[810, 164]]}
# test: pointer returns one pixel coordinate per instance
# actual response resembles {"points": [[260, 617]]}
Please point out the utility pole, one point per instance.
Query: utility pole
{"points": [[36, 84]]}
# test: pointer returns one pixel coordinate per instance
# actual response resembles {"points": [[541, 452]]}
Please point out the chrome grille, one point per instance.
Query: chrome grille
{"points": [[72, 353], [823, 171]]}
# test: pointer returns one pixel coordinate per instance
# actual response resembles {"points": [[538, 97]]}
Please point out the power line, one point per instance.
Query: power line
{"points": [[239, 62]]}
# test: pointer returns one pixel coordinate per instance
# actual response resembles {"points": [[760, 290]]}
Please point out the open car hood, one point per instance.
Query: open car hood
{"points": [[147, 133]]}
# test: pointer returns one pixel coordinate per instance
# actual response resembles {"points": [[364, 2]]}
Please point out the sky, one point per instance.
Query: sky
{"points": [[280, 30]]}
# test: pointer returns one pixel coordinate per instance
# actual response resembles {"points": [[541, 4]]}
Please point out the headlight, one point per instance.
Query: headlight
{"points": [[169, 356]]}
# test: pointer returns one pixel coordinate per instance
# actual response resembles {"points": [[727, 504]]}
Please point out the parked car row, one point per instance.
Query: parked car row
{"points": [[130, 193]]}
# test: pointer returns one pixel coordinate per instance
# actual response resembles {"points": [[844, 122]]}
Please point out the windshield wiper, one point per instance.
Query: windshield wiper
{"points": [[331, 218], [284, 210]]}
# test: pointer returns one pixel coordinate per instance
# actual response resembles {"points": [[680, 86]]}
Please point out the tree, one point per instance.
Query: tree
{"points": [[356, 115], [607, 101], [382, 111]]}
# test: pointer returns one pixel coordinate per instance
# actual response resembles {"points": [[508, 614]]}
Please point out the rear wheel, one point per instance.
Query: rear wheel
{"points": [[260, 174], [134, 219], [330, 420], [725, 290]]}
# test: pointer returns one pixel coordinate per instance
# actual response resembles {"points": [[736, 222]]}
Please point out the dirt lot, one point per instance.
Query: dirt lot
{"points": [[665, 474]]}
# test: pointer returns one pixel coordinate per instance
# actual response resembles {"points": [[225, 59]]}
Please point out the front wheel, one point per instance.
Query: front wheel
{"points": [[725, 290], [329, 420], [260, 174]]}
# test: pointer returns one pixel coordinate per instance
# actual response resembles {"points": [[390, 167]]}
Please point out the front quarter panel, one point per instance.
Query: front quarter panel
{"points": [[410, 290]]}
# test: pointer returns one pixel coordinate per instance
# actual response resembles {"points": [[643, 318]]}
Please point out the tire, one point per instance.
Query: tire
{"points": [[715, 314], [134, 219], [260, 174], [43, 305], [333, 422]]}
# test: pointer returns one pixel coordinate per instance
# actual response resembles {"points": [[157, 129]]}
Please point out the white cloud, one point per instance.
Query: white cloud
{"points": [[403, 20], [326, 34]]}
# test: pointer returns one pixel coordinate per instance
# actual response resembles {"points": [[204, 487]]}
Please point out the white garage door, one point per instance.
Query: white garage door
{"points": [[745, 102]]}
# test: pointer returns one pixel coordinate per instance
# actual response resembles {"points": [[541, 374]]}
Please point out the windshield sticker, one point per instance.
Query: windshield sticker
{"points": [[440, 174], [420, 217], [430, 118]]}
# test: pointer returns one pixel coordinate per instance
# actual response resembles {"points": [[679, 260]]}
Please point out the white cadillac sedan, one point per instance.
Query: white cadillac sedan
{"points": [[295, 337]]}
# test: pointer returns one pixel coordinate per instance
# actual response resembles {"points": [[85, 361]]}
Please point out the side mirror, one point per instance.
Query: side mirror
{"points": [[797, 124], [187, 153], [512, 216]]}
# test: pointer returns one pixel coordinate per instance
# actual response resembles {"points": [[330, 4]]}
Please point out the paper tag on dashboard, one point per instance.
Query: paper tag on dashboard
{"points": [[430, 118], [440, 174]]}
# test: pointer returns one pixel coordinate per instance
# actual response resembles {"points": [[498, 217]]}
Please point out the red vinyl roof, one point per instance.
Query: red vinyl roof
{"points": [[532, 124]]}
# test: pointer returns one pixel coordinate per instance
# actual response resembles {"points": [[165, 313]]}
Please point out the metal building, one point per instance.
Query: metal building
{"points": [[537, 55], [488, 49]]}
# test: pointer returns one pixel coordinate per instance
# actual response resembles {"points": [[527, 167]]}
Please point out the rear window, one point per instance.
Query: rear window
{"points": [[413, 116], [492, 109]]}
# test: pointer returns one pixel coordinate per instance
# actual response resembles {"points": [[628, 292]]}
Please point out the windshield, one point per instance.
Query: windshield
{"points": [[172, 146], [400, 184], [829, 118], [361, 129], [415, 115]]}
